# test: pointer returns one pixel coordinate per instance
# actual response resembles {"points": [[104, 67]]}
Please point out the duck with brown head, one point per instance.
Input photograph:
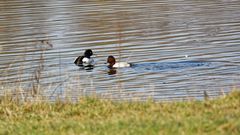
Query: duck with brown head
{"points": [[113, 64]]}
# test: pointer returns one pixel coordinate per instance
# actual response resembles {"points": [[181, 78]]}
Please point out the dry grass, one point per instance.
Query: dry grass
{"points": [[98, 116]]}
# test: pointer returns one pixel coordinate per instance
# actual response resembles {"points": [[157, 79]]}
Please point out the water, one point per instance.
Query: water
{"points": [[179, 48]]}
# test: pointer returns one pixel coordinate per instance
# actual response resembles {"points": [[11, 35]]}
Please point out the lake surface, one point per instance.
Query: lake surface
{"points": [[179, 48]]}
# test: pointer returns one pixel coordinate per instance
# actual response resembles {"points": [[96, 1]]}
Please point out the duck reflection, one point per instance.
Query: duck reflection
{"points": [[87, 68], [112, 71]]}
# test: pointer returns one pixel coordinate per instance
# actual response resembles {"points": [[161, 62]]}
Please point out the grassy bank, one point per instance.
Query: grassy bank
{"points": [[95, 116]]}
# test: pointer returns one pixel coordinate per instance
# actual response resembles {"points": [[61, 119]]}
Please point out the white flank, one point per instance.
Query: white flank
{"points": [[121, 64], [88, 61]]}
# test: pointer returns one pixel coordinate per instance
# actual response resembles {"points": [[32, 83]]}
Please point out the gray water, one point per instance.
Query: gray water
{"points": [[179, 48]]}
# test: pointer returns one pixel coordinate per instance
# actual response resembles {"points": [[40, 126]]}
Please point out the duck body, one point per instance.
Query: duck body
{"points": [[86, 59], [121, 64], [113, 64]]}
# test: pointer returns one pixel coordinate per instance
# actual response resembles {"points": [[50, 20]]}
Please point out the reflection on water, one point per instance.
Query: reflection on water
{"points": [[112, 71], [39, 41]]}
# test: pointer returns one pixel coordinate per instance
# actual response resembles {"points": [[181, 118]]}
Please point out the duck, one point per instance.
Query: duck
{"points": [[86, 59], [113, 64]]}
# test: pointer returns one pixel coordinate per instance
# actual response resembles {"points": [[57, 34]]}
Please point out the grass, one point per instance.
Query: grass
{"points": [[97, 116]]}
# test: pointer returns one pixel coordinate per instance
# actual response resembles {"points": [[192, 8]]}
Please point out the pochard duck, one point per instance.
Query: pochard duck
{"points": [[113, 64], [86, 59]]}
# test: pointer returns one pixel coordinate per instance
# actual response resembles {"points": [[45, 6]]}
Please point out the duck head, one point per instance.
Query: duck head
{"points": [[111, 61], [88, 53]]}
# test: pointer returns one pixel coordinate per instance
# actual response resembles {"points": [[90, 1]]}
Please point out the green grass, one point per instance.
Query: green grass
{"points": [[95, 116]]}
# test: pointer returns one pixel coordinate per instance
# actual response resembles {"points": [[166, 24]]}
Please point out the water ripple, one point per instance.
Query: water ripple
{"points": [[179, 48]]}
